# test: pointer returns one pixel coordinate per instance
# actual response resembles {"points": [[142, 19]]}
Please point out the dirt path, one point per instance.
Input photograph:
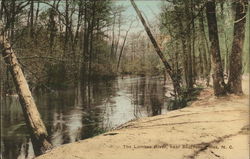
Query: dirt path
{"points": [[211, 128]]}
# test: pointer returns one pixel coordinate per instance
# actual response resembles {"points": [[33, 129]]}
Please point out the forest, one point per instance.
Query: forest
{"points": [[178, 48]]}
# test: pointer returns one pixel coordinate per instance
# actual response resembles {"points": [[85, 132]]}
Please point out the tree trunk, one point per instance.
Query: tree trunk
{"points": [[226, 65], [12, 20], [204, 41], [218, 79], [173, 76], [113, 38], [1, 9], [122, 48], [235, 68], [31, 27], [52, 27], [67, 29], [188, 38], [194, 73], [37, 12], [201, 63], [85, 51], [202, 49], [91, 39], [119, 33], [34, 122], [186, 46]]}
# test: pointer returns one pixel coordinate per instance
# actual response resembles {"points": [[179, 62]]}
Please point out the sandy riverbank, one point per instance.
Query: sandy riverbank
{"points": [[209, 128]]}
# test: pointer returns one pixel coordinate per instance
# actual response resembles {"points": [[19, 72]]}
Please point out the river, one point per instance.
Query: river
{"points": [[82, 112]]}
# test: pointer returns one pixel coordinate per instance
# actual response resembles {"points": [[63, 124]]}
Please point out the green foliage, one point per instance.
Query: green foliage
{"points": [[187, 97]]}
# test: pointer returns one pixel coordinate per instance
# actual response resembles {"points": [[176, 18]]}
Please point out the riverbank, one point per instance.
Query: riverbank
{"points": [[209, 128]]}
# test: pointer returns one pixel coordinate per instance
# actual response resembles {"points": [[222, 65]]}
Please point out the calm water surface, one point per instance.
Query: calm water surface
{"points": [[82, 112]]}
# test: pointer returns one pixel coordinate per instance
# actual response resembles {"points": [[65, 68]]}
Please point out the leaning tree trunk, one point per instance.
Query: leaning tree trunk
{"points": [[174, 77], [123, 45], [235, 67], [35, 124], [121, 51], [218, 79]]}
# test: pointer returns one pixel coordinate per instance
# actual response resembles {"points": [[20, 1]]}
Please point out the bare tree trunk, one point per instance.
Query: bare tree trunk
{"points": [[204, 41], [113, 38], [1, 9], [35, 124], [91, 39], [67, 29], [188, 39], [31, 27], [173, 77], [85, 51], [119, 33], [77, 41], [194, 73], [52, 27], [202, 49], [36, 20], [226, 65], [37, 12], [122, 48], [12, 19], [218, 79], [235, 68], [1, 80], [177, 58], [201, 63]]}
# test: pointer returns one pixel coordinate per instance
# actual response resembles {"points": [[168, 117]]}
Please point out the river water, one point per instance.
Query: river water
{"points": [[82, 112]]}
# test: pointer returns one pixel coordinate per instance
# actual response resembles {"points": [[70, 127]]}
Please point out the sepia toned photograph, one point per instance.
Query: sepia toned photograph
{"points": [[124, 79]]}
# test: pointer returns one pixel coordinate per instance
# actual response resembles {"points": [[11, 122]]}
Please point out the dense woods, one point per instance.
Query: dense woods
{"points": [[64, 40], [59, 42], [201, 33], [50, 45]]}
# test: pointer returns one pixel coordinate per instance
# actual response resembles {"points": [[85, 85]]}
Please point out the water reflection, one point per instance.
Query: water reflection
{"points": [[85, 111]]}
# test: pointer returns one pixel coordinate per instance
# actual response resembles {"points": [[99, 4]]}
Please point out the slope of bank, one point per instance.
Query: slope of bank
{"points": [[209, 128]]}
